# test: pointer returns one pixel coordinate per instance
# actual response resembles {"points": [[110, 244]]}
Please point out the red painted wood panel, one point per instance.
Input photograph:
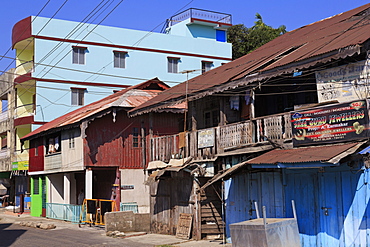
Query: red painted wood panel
{"points": [[36, 159], [110, 143]]}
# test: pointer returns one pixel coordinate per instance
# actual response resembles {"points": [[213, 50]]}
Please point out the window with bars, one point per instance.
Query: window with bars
{"points": [[36, 186], [173, 64], [77, 96], [119, 60], [78, 56]]}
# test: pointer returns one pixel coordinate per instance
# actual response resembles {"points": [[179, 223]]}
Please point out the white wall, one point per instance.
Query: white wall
{"points": [[140, 193], [56, 188], [72, 157]]}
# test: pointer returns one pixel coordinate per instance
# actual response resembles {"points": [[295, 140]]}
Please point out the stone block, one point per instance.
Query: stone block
{"points": [[119, 221], [142, 222]]}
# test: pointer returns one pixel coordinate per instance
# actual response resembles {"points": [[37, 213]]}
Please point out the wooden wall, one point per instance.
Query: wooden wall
{"points": [[36, 159], [170, 196], [110, 143]]}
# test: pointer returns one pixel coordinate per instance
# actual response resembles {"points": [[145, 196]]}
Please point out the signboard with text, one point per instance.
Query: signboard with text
{"points": [[344, 83], [20, 166], [206, 138], [333, 123]]}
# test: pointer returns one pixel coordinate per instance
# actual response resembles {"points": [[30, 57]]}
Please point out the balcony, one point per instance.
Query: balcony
{"points": [[24, 111], [21, 155], [24, 68], [207, 143], [4, 153], [4, 122], [5, 164], [53, 161], [4, 116]]}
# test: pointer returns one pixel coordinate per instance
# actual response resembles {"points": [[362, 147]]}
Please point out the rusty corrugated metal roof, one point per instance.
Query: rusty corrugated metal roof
{"points": [[342, 33], [330, 154], [129, 97], [300, 155]]}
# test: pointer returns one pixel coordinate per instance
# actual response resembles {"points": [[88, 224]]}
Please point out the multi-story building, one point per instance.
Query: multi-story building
{"points": [[13, 175], [62, 65]]}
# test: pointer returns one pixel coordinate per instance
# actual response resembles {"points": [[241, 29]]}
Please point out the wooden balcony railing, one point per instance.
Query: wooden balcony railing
{"points": [[53, 161], [207, 143]]}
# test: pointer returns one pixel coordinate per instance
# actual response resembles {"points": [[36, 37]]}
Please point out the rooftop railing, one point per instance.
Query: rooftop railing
{"points": [[201, 14]]}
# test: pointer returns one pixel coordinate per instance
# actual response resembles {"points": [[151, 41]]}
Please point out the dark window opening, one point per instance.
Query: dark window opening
{"points": [[119, 59], [36, 186], [173, 64], [54, 144], [77, 96], [135, 137], [78, 55], [206, 66]]}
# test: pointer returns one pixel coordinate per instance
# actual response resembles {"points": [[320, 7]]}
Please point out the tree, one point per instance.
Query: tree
{"points": [[245, 40]]}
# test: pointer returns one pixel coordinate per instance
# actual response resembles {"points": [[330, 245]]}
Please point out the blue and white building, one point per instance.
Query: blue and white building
{"points": [[62, 65]]}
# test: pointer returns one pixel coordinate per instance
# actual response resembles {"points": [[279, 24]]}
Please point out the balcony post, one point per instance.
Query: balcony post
{"points": [[67, 188], [89, 184], [252, 112]]}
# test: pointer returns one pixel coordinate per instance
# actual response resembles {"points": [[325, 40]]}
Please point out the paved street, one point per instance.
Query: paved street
{"points": [[16, 235], [68, 234]]}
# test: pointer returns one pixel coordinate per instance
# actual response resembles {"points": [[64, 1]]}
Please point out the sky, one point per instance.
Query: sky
{"points": [[150, 15]]}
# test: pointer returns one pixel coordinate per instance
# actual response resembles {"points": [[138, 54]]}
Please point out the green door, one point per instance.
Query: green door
{"points": [[38, 196]]}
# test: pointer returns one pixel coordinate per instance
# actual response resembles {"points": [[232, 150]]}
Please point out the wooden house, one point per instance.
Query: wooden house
{"points": [[97, 152], [285, 122]]}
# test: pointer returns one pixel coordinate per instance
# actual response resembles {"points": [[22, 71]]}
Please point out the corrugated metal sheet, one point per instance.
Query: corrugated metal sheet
{"points": [[306, 154], [129, 97], [342, 32], [329, 154]]}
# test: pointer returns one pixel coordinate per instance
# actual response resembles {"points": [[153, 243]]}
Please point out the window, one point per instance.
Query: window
{"points": [[36, 186], [135, 137], [36, 146], [71, 140], [119, 59], [173, 64], [221, 35], [78, 54], [211, 118], [206, 66], [53, 145], [77, 96]]}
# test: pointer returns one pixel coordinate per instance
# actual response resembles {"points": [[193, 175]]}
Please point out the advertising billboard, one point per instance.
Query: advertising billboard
{"points": [[332, 123]]}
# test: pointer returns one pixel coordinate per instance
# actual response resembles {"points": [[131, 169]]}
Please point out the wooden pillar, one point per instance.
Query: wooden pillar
{"points": [[193, 116], [252, 110], [150, 144], [197, 232], [143, 145], [222, 112], [89, 184]]}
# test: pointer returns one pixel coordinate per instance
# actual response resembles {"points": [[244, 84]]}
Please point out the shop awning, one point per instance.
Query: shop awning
{"points": [[327, 155]]}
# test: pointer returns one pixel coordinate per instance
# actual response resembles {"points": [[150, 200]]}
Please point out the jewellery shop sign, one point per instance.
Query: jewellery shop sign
{"points": [[328, 124]]}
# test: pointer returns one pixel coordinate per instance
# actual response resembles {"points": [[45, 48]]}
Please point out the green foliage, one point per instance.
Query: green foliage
{"points": [[245, 40]]}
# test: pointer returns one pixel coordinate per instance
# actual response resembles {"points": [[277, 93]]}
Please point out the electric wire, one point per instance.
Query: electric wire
{"points": [[106, 16]]}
